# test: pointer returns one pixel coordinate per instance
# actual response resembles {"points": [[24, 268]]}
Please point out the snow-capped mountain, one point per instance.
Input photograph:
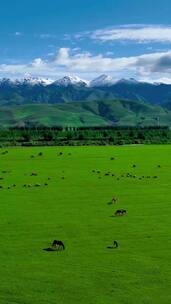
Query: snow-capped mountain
{"points": [[104, 87], [26, 81], [36, 81], [102, 80], [71, 80]]}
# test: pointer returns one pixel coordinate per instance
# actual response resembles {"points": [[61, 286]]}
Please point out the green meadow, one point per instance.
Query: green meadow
{"points": [[74, 207]]}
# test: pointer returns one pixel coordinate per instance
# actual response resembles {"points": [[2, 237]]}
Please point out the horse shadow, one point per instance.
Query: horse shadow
{"points": [[50, 249], [53, 249]]}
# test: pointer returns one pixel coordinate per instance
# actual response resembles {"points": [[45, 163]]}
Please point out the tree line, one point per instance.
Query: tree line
{"points": [[84, 136]]}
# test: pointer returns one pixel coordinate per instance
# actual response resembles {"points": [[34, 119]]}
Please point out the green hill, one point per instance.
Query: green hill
{"points": [[96, 113]]}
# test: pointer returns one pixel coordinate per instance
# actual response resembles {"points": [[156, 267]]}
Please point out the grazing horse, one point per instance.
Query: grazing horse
{"points": [[58, 244], [115, 244], [114, 200]]}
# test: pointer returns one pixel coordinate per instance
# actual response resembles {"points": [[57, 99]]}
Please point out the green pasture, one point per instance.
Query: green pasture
{"points": [[75, 207]]}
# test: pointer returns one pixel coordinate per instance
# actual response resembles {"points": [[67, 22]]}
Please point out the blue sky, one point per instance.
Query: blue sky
{"points": [[86, 38]]}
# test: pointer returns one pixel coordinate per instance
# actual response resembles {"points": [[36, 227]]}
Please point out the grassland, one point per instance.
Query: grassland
{"points": [[76, 210]]}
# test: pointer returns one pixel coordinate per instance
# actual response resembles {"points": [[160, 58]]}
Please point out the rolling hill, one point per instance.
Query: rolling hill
{"points": [[76, 114]]}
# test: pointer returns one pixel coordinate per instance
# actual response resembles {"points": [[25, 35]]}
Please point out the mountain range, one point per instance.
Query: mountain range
{"points": [[74, 89], [72, 101]]}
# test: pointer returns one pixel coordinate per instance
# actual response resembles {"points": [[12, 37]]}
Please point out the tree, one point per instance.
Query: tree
{"points": [[48, 136]]}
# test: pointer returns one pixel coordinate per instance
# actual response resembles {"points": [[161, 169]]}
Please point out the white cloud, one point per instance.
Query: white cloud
{"points": [[85, 62], [38, 62], [154, 66], [134, 33]]}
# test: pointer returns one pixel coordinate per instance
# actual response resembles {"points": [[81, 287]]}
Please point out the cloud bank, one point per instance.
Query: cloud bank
{"points": [[151, 67]]}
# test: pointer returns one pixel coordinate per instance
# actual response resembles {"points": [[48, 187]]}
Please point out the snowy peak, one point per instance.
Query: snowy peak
{"points": [[102, 80], [71, 80], [31, 81], [36, 81]]}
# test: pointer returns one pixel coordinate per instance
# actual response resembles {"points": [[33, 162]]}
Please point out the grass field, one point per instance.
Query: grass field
{"points": [[76, 210]]}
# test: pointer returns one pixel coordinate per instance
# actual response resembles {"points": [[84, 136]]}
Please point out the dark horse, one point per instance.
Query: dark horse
{"points": [[58, 244], [115, 244]]}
